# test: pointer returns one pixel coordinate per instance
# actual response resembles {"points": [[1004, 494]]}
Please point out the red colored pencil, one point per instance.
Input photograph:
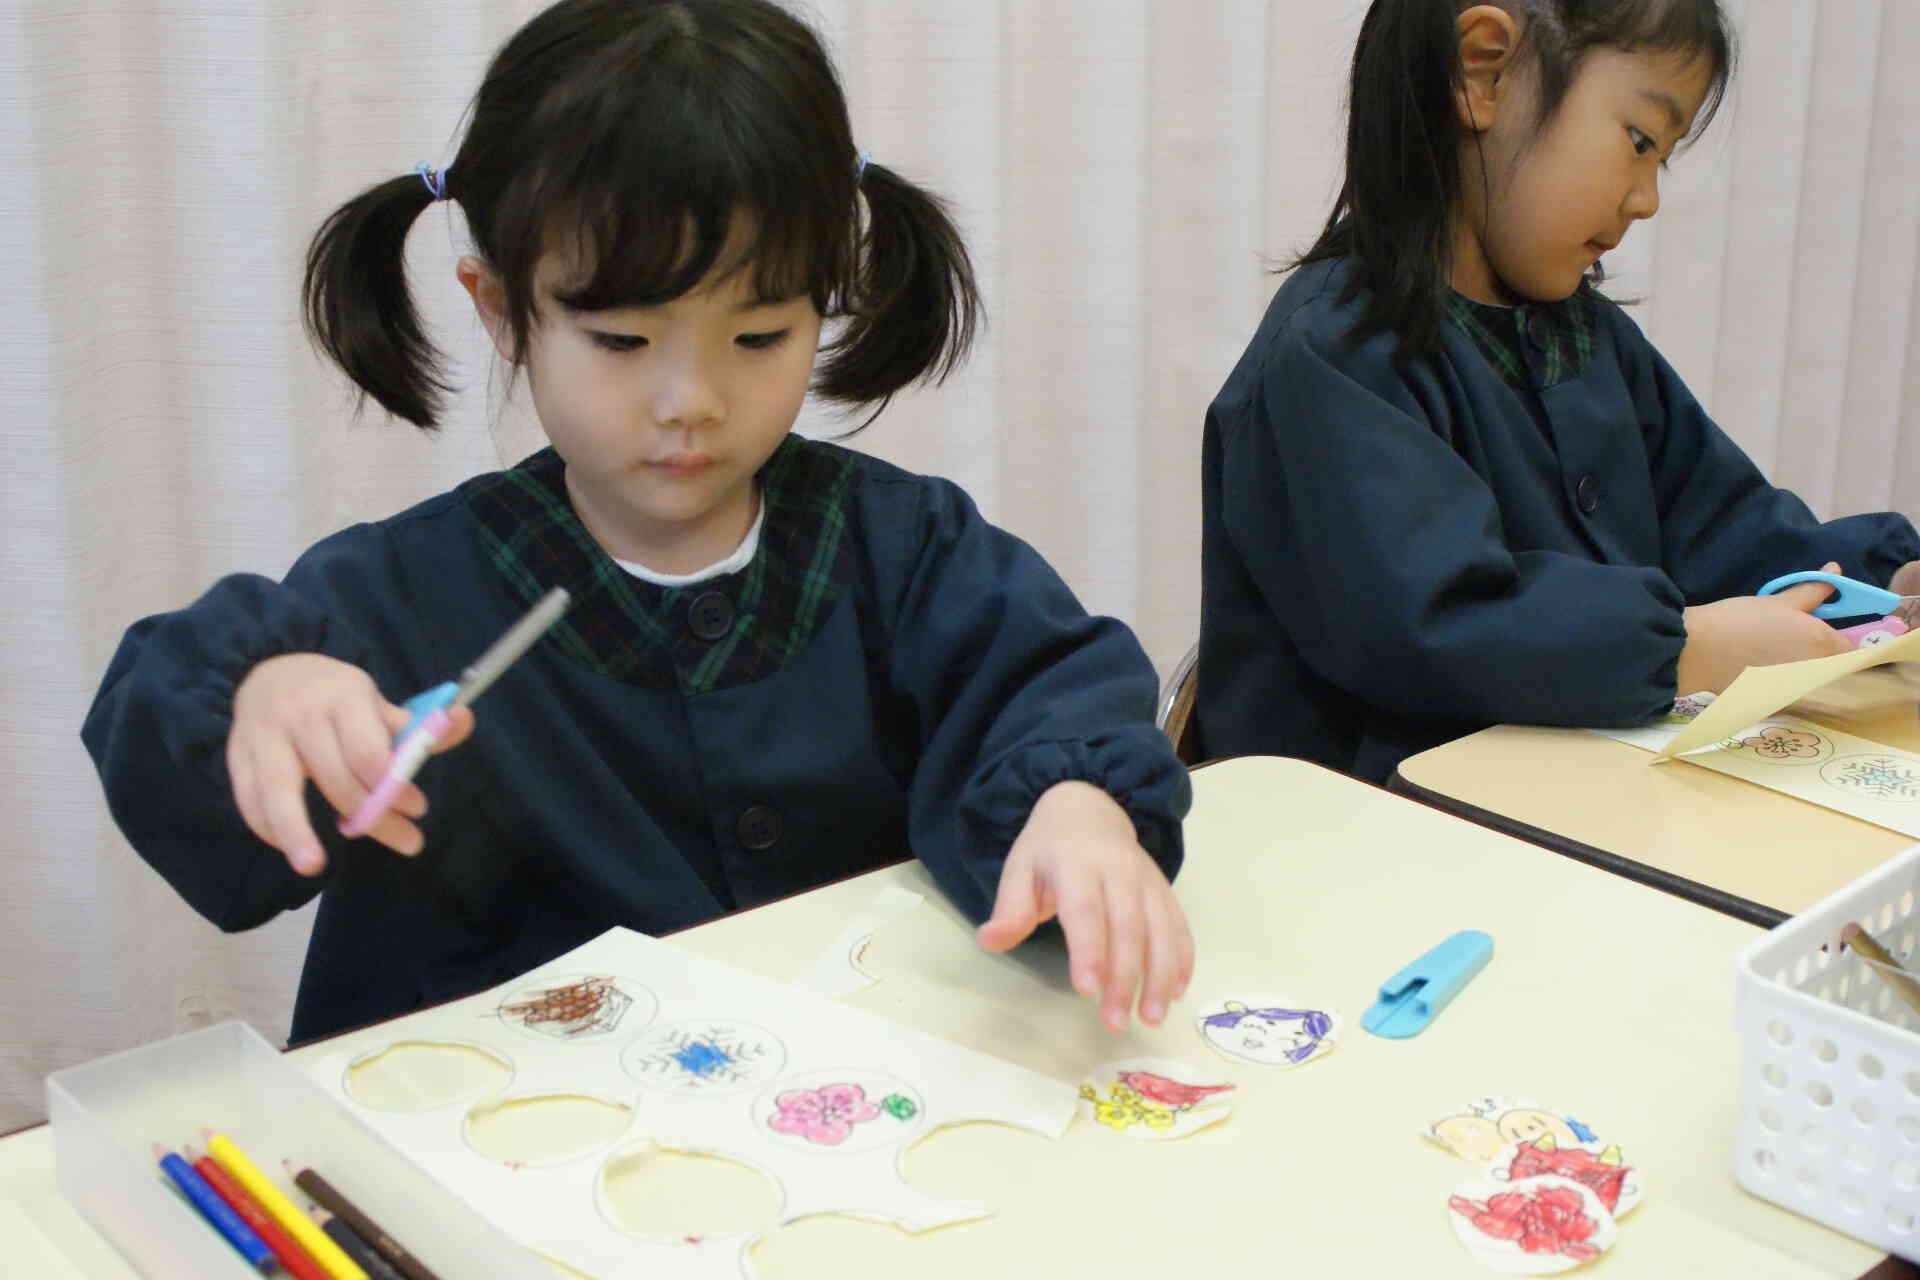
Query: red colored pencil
{"points": [[296, 1260]]}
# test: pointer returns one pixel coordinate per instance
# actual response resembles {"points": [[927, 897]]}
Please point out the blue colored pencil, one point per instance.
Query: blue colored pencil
{"points": [[245, 1240]]}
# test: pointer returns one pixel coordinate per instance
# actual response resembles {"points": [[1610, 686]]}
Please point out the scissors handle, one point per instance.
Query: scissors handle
{"points": [[1851, 599], [422, 705], [410, 751]]}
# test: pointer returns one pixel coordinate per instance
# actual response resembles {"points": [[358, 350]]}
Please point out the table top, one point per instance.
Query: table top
{"points": [[1603, 997], [1723, 842]]}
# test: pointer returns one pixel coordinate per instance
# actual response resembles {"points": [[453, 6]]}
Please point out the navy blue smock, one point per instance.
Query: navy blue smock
{"points": [[890, 674], [1505, 531]]}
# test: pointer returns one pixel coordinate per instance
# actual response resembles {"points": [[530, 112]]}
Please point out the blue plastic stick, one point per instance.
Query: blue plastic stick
{"points": [[1413, 997]]}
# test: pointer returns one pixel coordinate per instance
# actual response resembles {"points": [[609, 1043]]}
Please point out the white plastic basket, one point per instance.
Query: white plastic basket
{"points": [[1830, 1065]]}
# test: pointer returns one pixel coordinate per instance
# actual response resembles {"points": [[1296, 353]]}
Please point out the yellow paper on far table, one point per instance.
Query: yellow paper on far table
{"points": [[1761, 691]]}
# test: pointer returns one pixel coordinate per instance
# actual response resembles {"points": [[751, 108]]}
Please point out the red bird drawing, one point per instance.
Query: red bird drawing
{"points": [[1168, 1093]]}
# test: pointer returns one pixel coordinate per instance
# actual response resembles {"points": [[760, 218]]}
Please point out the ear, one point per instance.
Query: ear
{"points": [[1488, 38], [489, 296]]}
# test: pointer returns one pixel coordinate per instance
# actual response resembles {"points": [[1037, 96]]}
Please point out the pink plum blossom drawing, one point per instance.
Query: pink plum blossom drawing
{"points": [[1780, 744], [825, 1115]]}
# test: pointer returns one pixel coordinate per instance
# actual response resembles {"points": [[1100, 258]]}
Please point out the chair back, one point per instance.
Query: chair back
{"points": [[1175, 716]]}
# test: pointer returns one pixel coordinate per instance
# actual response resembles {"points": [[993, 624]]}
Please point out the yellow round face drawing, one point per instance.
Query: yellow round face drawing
{"points": [[1470, 1137], [1525, 1126]]}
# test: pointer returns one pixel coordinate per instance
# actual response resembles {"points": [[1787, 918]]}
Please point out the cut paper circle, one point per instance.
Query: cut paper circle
{"points": [[1600, 1168], [840, 1111], [539, 1130], [1531, 1227], [708, 1058], [1270, 1031], [1479, 1131], [420, 1075], [578, 1008], [1775, 743], [1888, 777], [1688, 708], [1154, 1099]]}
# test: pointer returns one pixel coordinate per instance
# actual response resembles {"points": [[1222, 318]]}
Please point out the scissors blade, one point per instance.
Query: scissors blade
{"points": [[502, 654]]}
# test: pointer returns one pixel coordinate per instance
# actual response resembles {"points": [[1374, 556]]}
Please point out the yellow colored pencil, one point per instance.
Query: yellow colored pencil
{"points": [[297, 1224]]}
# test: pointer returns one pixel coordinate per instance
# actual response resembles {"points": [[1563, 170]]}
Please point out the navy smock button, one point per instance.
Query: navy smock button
{"points": [[1587, 493], [710, 616], [758, 828]]}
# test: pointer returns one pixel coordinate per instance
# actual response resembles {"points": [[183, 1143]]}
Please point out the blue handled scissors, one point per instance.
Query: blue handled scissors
{"points": [[429, 714], [1852, 598]]}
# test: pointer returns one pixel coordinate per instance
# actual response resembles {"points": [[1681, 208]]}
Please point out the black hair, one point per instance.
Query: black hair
{"points": [[1393, 217], [632, 135]]}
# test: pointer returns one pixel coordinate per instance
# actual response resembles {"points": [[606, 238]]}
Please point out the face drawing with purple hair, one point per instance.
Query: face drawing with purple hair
{"points": [[1270, 1036]]}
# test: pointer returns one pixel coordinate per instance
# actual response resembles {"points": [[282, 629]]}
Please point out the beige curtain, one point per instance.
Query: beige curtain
{"points": [[1126, 170]]}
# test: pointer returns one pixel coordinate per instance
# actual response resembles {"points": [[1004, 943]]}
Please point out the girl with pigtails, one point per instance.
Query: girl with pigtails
{"points": [[783, 662]]}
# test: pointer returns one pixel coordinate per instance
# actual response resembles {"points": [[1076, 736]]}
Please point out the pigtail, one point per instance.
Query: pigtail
{"points": [[358, 308], [1394, 214], [915, 305]]}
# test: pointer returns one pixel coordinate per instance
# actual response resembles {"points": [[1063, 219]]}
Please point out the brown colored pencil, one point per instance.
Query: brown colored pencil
{"points": [[328, 1197]]}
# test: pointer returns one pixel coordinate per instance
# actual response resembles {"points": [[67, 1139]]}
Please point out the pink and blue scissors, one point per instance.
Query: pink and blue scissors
{"points": [[429, 714], [1851, 597]]}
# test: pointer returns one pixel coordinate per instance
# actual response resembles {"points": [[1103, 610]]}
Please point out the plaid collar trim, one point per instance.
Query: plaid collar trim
{"points": [[638, 632], [1533, 346]]}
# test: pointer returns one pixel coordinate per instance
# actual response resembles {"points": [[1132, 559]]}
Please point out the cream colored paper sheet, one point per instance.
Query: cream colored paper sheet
{"points": [[1761, 691], [1835, 770], [696, 1056]]}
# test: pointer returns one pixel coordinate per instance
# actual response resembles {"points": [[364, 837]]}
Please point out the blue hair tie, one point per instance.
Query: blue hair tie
{"points": [[859, 167], [436, 180]]}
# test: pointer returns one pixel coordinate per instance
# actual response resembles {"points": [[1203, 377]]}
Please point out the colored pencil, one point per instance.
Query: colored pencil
{"points": [[1903, 983], [231, 1226], [296, 1260], [353, 1246], [329, 1197], [337, 1265]]}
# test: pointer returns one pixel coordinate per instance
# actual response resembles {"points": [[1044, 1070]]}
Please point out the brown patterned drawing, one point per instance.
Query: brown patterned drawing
{"points": [[589, 1006]]}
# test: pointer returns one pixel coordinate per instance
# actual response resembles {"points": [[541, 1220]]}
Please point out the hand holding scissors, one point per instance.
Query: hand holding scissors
{"points": [[1851, 597], [429, 713]]}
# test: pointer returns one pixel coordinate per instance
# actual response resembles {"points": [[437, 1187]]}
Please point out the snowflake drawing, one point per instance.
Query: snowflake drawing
{"points": [[1878, 777], [702, 1058], [705, 1058]]}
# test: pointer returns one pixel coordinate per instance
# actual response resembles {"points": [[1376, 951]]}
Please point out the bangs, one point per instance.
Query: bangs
{"points": [[668, 166], [1691, 29], [621, 251], [1688, 29]]}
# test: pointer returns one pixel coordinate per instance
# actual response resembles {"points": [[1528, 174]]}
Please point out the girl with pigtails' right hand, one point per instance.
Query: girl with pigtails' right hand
{"points": [[784, 662]]}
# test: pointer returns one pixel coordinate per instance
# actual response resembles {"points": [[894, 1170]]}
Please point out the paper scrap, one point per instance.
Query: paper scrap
{"points": [[1270, 1031], [1532, 1226], [1761, 691], [1654, 736], [1602, 1169], [838, 971], [1154, 1099], [1479, 1131]]}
